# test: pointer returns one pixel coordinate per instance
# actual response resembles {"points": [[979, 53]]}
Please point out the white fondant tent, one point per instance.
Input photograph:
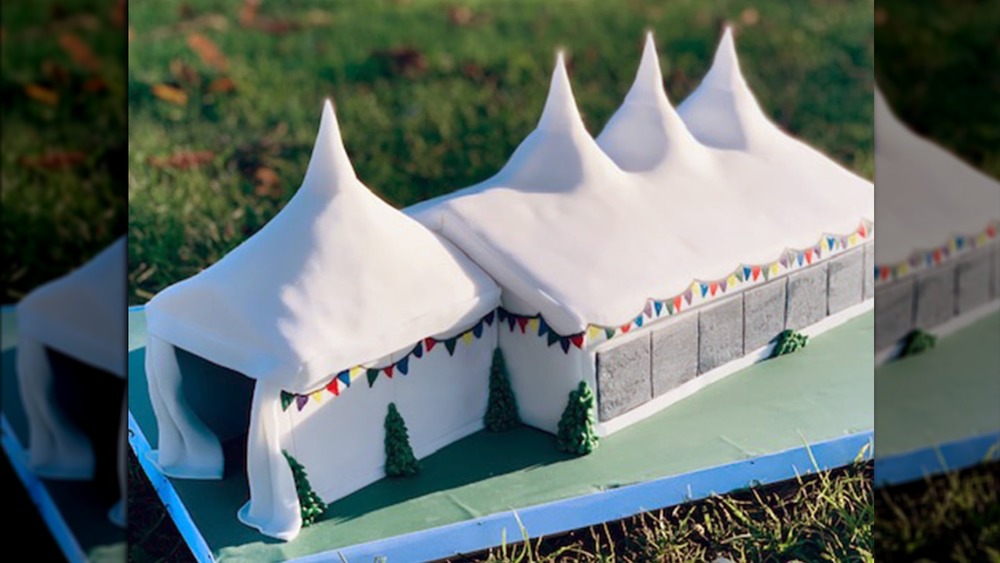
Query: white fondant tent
{"points": [[587, 234], [79, 315], [338, 279], [926, 194]]}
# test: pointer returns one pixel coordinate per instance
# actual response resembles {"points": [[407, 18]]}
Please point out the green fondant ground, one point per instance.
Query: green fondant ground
{"points": [[85, 513], [946, 394], [819, 393]]}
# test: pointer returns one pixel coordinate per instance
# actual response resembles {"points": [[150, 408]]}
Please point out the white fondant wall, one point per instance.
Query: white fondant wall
{"points": [[443, 398], [542, 376]]}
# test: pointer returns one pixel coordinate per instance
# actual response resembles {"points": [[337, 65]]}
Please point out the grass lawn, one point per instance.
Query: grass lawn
{"points": [[432, 96], [63, 140]]}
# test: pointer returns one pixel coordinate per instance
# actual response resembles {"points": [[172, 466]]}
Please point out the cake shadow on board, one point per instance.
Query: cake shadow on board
{"points": [[572, 261]]}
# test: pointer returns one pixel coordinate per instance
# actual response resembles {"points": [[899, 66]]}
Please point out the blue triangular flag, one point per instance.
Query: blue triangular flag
{"points": [[418, 350], [403, 365], [658, 306], [489, 318], [477, 330], [345, 377]]}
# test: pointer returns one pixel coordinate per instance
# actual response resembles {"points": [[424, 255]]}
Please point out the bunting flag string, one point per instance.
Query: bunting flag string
{"points": [[923, 259], [699, 292], [345, 378]]}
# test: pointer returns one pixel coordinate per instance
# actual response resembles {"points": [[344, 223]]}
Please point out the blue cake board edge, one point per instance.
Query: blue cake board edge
{"points": [[485, 532], [39, 495]]}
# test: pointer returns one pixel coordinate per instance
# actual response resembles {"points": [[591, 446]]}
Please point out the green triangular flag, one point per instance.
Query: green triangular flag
{"points": [[372, 376], [450, 345], [609, 333], [286, 400], [552, 337]]}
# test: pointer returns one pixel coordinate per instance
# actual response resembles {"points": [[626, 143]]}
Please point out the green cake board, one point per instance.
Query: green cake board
{"points": [[821, 393], [941, 408]]}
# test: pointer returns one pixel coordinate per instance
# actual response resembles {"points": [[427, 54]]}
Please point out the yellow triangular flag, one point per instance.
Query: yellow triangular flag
{"points": [[356, 372], [467, 337], [732, 279], [317, 396], [774, 268], [593, 333], [533, 325]]}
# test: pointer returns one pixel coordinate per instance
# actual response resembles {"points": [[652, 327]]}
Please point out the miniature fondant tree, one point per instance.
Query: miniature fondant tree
{"points": [[399, 458], [576, 427], [789, 341], [501, 410], [918, 341], [310, 505]]}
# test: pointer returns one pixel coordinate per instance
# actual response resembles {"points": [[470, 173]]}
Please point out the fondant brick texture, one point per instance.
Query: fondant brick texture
{"points": [[996, 269], [868, 278], [844, 280], [623, 378], [893, 312], [720, 333], [935, 297], [807, 295], [675, 352], [974, 280], [764, 313]]}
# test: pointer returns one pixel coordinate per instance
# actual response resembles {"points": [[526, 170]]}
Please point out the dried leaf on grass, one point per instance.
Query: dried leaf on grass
{"points": [[248, 12], [54, 160], [266, 181], [207, 51], [79, 51], [222, 85], [182, 160], [42, 94], [170, 94]]}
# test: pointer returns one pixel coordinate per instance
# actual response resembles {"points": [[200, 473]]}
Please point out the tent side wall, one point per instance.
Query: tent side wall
{"points": [[442, 398], [648, 363], [933, 296], [542, 376]]}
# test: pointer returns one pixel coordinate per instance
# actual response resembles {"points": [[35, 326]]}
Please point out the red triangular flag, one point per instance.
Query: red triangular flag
{"points": [[429, 343], [756, 272], [577, 340], [334, 387], [861, 230], [713, 287], [626, 327], [388, 371], [809, 256], [677, 303], [522, 322]]}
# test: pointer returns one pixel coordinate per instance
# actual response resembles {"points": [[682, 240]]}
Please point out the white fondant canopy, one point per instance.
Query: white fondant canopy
{"points": [[336, 279], [586, 231], [80, 314], [925, 194]]}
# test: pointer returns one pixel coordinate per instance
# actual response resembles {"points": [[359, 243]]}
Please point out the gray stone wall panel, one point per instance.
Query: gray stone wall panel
{"points": [[845, 280], [807, 297], [675, 352], [764, 313], [623, 378], [720, 333], [893, 312]]}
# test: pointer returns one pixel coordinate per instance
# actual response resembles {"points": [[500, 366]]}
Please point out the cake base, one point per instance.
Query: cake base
{"points": [[760, 425], [75, 512]]}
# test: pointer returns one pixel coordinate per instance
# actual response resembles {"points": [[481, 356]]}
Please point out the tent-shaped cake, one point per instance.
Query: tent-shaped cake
{"points": [[71, 371], [337, 308], [656, 259], [939, 258]]}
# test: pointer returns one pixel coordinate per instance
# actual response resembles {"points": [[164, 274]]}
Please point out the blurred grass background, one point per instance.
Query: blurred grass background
{"points": [[224, 97], [63, 157]]}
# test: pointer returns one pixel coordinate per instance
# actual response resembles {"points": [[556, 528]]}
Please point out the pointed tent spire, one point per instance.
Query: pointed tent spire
{"points": [[725, 71], [329, 166], [648, 85], [560, 110]]}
